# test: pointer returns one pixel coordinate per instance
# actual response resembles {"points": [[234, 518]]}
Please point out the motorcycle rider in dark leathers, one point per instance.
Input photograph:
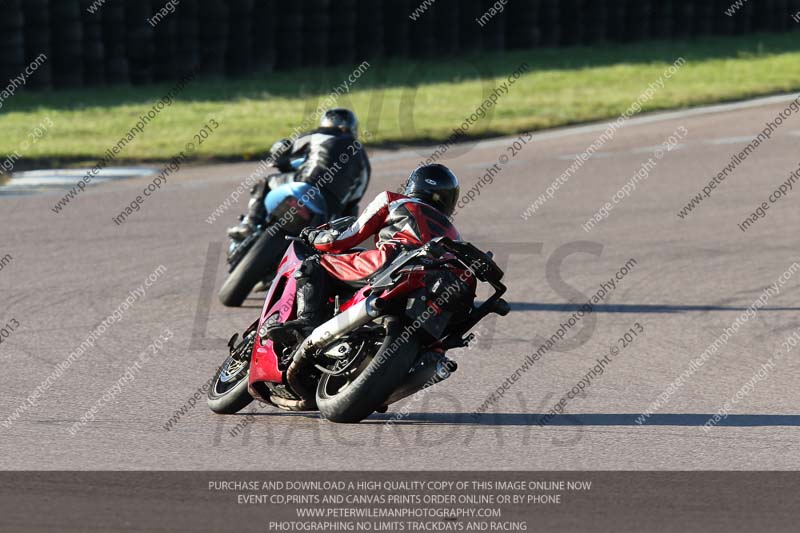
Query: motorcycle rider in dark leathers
{"points": [[335, 162], [399, 222]]}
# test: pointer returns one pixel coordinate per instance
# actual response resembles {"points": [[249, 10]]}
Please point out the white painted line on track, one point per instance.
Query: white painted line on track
{"points": [[731, 140], [67, 178], [596, 155], [651, 149]]}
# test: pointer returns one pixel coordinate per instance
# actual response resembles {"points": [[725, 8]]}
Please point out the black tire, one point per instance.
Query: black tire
{"points": [[227, 398], [374, 384], [260, 260]]}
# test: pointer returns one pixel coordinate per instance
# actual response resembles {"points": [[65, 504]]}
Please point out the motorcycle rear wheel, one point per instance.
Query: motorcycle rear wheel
{"points": [[259, 262], [350, 399]]}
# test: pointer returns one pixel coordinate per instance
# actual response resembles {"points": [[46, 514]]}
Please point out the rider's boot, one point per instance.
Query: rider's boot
{"points": [[256, 214], [312, 297], [243, 230]]}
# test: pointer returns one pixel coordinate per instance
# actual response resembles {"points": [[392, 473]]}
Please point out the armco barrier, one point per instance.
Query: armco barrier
{"points": [[89, 42]]}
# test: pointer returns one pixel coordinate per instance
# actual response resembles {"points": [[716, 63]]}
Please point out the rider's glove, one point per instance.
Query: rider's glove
{"points": [[309, 235]]}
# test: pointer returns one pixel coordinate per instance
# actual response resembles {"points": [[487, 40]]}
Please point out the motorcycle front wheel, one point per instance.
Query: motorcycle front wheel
{"points": [[352, 397], [228, 393]]}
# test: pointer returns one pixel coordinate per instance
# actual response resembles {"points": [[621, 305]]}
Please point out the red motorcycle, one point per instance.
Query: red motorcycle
{"points": [[387, 341]]}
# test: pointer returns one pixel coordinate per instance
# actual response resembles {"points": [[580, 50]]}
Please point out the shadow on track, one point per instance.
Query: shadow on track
{"points": [[590, 419], [532, 419], [635, 308]]}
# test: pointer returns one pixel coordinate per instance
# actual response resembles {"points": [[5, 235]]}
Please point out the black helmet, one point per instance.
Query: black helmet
{"points": [[435, 185], [341, 118]]}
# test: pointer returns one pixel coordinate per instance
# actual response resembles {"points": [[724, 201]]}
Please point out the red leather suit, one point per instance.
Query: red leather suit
{"points": [[397, 221]]}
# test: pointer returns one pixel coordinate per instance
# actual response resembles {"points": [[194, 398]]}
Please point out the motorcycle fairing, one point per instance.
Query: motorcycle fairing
{"points": [[281, 301], [300, 191]]}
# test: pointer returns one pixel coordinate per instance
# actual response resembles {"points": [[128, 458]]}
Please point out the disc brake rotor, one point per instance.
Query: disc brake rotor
{"points": [[236, 362]]}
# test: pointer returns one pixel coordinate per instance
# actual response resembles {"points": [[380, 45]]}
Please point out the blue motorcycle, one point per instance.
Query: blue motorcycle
{"points": [[291, 207]]}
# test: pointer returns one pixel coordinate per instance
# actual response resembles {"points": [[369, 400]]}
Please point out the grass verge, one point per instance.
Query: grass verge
{"points": [[401, 101]]}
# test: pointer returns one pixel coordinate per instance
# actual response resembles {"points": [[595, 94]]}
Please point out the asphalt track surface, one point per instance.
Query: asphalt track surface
{"points": [[691, 280]]}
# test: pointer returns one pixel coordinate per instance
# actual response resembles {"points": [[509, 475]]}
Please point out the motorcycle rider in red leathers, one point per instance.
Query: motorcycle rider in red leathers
{"points": [[399, 222]]}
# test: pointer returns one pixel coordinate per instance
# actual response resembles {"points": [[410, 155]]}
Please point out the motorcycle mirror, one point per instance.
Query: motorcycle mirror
{"points": [[501, 307]]}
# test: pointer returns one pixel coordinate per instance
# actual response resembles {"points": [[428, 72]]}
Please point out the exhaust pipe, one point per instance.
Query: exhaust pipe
{"points": [[432, 368], [343, 323]]}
